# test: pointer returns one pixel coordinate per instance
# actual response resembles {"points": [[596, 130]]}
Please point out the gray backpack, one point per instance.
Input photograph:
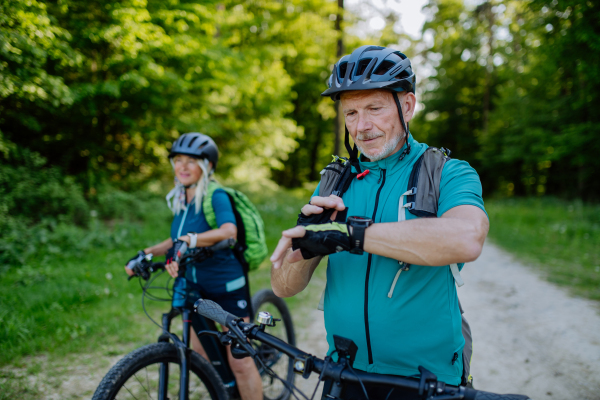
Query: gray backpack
{"points": [[422, 196]]}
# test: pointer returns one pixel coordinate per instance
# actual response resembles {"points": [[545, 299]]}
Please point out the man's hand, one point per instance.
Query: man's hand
{"points": [[323, 239], [316, 206]]}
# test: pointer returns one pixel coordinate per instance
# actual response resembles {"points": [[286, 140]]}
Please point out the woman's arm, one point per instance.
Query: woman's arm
{"points": [[213, 236], [160, 249]]}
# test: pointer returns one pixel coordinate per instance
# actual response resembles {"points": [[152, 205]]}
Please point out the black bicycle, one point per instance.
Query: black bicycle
{"points": [[339, 372], [169, 369]]}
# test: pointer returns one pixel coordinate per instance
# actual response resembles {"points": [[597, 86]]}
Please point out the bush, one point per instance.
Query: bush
{"points": [[43, 212]]}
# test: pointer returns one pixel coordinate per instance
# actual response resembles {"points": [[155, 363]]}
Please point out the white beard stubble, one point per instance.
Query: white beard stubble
{"points": [[388, 147]]}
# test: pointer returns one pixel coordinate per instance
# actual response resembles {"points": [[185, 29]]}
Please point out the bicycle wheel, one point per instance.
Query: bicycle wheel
{"points": [[136, 376], [281, 364]]}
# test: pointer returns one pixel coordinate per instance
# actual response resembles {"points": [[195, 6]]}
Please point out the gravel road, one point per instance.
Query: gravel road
{"points": [[530, 337]]}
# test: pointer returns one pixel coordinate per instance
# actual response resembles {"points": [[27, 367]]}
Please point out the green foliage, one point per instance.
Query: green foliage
{"points": [[44, 213], [515, 91], [83, 301], [118, 81], [561, 237]]}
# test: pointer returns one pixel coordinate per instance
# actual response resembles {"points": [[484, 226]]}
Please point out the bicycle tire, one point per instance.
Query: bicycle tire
{"points": [[266, 300], [205, 383]]}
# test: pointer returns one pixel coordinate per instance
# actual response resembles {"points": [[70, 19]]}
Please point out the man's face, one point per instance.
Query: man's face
{"points": [[373, 122]]}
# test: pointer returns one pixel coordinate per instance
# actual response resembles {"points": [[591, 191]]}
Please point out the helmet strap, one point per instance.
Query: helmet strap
{"points": [[352, 152], [404, 125]]}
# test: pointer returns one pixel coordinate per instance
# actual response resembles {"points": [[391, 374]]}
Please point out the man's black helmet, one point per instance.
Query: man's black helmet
{"points": [[196, 145], [371, 67]]}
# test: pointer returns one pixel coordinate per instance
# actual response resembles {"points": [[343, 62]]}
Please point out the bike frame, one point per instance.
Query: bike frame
{"points": [[216, 353]]}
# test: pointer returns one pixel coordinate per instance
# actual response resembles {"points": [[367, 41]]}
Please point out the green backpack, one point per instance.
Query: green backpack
{"points": [[251, 247]]}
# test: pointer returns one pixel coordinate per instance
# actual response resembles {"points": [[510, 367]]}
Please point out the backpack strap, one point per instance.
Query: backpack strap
{"points": [[423, 193], [425, 181], [211, 219], [207, 206]]}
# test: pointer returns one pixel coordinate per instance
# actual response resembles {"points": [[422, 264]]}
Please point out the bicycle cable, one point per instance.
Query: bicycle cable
{"points": [[359, 381], [271, 373], [147, 287], [389, 394], [327, 358]]}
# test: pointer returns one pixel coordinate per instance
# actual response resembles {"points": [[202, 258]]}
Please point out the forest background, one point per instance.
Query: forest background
{"points": [[92, 94]]}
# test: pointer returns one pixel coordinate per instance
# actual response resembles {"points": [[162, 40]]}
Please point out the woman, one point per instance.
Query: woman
{"points": [[221, 278]]}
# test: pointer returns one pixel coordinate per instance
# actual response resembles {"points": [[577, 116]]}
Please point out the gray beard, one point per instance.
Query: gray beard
{"points": [[388, 149]]}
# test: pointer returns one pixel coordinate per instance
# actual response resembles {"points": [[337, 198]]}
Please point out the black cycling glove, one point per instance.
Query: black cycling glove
{"points": [[323, 239], [136, 260]]}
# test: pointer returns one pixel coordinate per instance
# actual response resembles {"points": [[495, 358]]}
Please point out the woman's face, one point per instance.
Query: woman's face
{"points": [[187, 169]]}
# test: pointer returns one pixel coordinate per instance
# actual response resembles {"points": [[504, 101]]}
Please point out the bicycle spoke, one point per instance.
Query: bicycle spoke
{"points": [[138, 379], [126, 388], [148, 383]]}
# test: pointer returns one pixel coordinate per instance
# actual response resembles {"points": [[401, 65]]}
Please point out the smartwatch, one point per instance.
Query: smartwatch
{"points": [[356, 231], [193, 239]]}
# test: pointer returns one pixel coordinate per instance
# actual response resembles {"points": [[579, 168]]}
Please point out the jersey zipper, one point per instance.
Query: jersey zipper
{"points": [[367, 332], [195, 279]]}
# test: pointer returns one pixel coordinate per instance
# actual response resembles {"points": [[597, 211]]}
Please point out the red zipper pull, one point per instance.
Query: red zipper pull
{"points": [[362, 174]]}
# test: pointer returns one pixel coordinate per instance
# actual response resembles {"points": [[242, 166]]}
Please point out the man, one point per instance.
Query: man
{"points": [[399, 321]]}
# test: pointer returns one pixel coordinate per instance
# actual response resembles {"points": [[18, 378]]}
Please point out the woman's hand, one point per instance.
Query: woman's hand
{"points": [[172, 268]]}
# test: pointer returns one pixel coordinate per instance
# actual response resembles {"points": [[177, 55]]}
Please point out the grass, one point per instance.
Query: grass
{"points": [[72, 304], [60, 311], [561, 237]]}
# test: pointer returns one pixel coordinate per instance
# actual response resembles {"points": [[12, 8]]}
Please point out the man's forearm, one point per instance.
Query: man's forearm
{"points": [[429, 241], [292, 278]]}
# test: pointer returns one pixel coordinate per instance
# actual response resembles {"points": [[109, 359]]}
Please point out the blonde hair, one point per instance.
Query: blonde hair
{"points": [[176, 198]]}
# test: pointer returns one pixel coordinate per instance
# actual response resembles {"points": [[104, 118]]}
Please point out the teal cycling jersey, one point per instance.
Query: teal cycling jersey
{"points": [[420, 324]]}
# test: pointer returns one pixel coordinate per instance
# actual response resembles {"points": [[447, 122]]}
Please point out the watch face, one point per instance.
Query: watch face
{"points": [[360, 220]]}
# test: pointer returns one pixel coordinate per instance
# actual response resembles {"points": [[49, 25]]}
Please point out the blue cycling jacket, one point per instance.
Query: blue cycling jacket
{"points": [[421, 323]]}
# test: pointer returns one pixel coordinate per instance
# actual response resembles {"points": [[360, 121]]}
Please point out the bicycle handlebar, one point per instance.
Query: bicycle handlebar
{"points": [[214, 312], [339, 371], [195, 254]]}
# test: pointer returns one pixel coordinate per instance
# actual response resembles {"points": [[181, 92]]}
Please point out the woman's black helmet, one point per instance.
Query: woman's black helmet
{"points": [[371, 67], [196, 145]]}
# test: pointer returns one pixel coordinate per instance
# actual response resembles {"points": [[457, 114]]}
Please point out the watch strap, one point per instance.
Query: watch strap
{"points": [[357, 239], [193, 239]]}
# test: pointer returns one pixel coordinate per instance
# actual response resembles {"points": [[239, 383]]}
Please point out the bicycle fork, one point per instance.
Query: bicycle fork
{"points": [[184, 355]]}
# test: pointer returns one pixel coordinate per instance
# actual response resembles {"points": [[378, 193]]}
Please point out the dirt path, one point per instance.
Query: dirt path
{"points": [[529, 337]]}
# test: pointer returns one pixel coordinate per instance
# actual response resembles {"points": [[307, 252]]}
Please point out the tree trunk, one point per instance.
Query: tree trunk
{"points": [[339, 120]]}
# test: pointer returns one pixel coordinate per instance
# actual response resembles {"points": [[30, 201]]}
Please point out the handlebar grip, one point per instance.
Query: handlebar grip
{"points": [[179, 252], [223, 244], [472, 394], [214, 312]]}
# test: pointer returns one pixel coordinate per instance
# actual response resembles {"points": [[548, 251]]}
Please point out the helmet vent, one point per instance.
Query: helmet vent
{"points": [[343, 67], [192, 141], [203, 144], [384, 67], [402, 75], [362, 65]]}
